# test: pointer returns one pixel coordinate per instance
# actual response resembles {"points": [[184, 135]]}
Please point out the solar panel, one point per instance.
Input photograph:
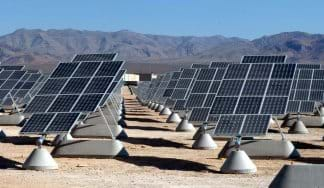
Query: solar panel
{"points": [[230, 87], [255, 125], [188, 73], [195, 100], [219, 64], [75, 85], [62, 123], [12, 67], [37, 123], [39, 104], [229, 125], [94, 57], [197, 66], [206, 74], [63, 103], [263, 59], [72, 90], [64, 70], [199, 114], [183, 83], [52, 86], [236, 71], [99, 85], [201, 87], [109, 69], [87, 103], [86, 69]]}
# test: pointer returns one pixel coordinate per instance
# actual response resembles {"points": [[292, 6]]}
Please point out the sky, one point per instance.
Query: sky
{"points": [[248, 19]]}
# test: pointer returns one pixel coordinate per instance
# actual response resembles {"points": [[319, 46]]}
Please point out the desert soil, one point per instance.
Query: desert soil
{"points": [[159, 157]]}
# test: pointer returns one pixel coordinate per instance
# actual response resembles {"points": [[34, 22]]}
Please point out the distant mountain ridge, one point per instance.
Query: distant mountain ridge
{"points": [[42, 48]]}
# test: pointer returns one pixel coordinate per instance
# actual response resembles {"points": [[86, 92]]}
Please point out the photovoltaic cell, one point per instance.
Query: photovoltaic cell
{"points": [[109, 69], [274, 105], [263, 59], [52, 86], [63, 103], [39, 104], [255, 125], [75, 85], [87, 103], [86, 69], [224, 105], [283, 71], [230, 87], [260, 71], [254, 87], [99, 85], [199, 114], [248, 105], [94, 57], [206, 74], [201, 87], [237, 71], [229, 125], [37, 123], [62, 122], [64, 70]]}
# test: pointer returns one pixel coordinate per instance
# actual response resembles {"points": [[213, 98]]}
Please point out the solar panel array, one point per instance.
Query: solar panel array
{"points": [[72, 89], [307, 88], [22, 88], [248, 93], [8, 81], [240, 98]]}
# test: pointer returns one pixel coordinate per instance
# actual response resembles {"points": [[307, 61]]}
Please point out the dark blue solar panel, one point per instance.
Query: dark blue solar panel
{"points": [[224, 105], [248, 105], [63, 103], [99, 85], [86, 69], [230, 88], [64, 70], [109, 68], [237, 71], [283, 71]]}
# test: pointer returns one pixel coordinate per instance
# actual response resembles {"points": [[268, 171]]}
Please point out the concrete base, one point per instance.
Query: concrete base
{"points": [[159, 108], [98, 131], [90, 148], [238, 163], [298, 128], [262, 149], [2, 134], [204, 141], [185, 126], [40, 159], [150, 105], [301, 175], [61, 137], [200, 130], [165, 111], [173, 118], [156, 106], [309, 121], [10, 120]]}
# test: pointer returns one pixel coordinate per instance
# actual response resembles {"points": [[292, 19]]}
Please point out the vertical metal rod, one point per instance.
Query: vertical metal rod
{"points": [[281, 132], [106, 121], [14, 104]]}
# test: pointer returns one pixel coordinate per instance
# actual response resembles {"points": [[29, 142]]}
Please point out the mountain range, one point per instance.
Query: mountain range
{"points": [[44, 48]]}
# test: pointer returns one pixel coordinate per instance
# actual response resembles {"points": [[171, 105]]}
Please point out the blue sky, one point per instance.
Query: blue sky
{"points": [[241, 18]]}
